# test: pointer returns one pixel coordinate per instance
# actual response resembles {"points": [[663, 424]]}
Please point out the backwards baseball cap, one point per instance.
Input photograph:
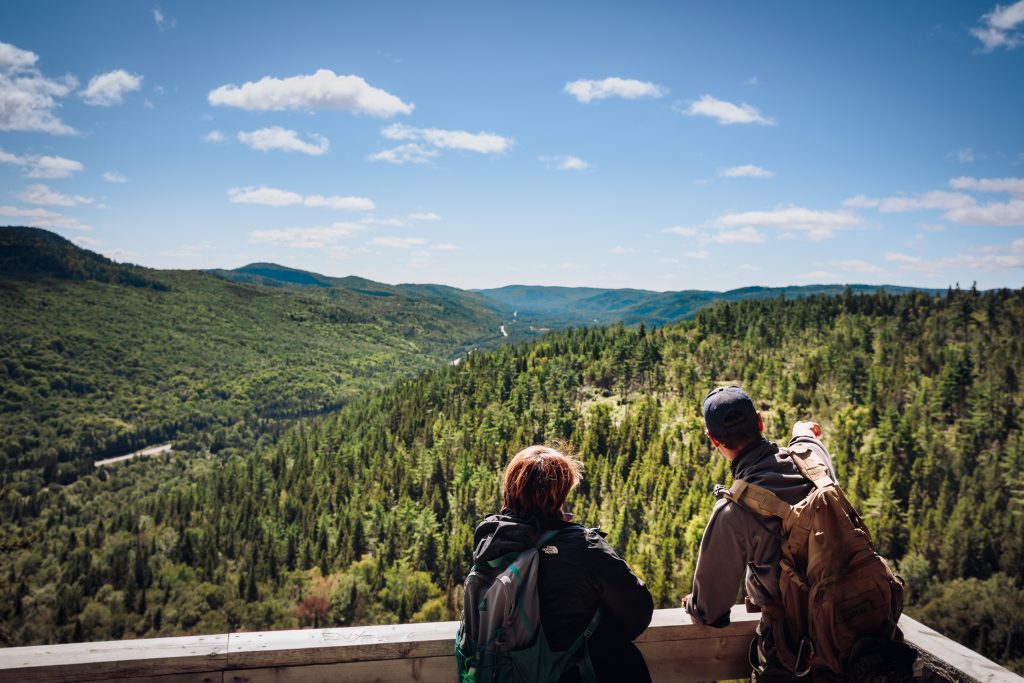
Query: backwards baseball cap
{"points": [[729, 411]]}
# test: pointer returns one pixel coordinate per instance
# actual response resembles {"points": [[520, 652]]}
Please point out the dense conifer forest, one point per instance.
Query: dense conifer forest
{"points": [[366, 515]]}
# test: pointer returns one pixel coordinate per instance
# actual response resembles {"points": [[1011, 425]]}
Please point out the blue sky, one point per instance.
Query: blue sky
{"points": [[657, 145]]}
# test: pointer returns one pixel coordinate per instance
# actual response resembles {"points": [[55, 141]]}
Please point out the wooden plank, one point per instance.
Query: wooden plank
{"points": [[420, 670], [336, 645], [114, 659], [951, 659]]}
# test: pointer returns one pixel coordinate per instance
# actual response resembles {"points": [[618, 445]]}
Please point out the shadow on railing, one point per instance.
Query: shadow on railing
{"points": [[676, 650]]}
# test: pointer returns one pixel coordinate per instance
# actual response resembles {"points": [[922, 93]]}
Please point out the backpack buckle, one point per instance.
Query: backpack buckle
{"points": [[722, 492]]}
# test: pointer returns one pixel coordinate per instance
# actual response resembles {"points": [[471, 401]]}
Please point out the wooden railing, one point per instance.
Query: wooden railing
{"points": [[675, 649]]}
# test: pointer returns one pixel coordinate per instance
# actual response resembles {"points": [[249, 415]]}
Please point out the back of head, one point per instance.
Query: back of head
{"points": [[730, 417], [537, 482]]}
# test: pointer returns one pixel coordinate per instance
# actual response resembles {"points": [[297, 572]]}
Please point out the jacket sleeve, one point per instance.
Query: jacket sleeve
{"points": [[625, 599], [818, 447], [720, 566]]}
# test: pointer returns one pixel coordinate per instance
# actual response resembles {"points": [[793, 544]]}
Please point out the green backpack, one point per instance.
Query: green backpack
{"points": [[501, 638]]}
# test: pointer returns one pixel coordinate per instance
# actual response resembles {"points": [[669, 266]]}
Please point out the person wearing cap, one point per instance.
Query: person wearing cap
{"points": [[739, 545]]}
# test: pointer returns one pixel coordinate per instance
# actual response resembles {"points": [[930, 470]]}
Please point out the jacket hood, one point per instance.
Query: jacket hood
{"points": [[501, 534], [762, 464]]}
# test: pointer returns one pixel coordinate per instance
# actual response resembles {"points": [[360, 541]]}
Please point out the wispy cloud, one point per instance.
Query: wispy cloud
{"points": [[620, 250], [680, 230], [43, 218], [425, 216], [816, 225], [1001, 27], [587, 91], [1014, 186], [965, 155], [163, 22], [986, 260], [746, 171], [856, 266], [114, 177], [959, 207], [422, 144], [214, 136], [321, 90], [747, 235], [398, 242], [278, 138], [269, 196], [42, 166], [41, 194], [108, 89], [566, 163], [411, 153], [307, 238], [726, 113], [28, 99]]}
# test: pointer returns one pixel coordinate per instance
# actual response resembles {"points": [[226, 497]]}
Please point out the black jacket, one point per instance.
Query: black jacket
{"points": [[582, 574]]}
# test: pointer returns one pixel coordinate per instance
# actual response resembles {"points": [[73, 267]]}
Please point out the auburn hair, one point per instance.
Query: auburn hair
{"points": [[538, 480]]}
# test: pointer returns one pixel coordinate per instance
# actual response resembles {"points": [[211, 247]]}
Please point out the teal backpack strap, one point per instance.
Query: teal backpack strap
{"points": [[545, 537], [581, 647]]}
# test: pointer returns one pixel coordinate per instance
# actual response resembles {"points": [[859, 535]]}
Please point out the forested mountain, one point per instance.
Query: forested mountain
{"points": [[366, 515], [560, 306], [99, 358]]}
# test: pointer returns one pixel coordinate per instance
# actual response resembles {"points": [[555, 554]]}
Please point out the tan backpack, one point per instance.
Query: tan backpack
{"points": [[835, 589]]}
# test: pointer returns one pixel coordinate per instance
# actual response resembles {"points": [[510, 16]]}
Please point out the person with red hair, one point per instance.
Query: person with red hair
{"points": [[579, 571]]}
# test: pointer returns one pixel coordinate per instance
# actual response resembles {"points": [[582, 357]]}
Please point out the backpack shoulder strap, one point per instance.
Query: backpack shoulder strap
{"points": [[809, 464], [759, 499]]}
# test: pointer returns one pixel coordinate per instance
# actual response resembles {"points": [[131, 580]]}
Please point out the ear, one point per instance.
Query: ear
{"points": [[714, 442], [760, 423]]}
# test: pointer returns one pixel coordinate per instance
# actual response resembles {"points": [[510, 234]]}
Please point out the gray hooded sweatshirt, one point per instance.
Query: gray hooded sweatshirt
{"points": [[739, 542]]}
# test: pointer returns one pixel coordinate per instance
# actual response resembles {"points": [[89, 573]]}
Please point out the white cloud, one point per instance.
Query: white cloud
{"points": [[936, 199], [856, 266], [163, 22], [1014, 186], [988, 260], [679, 230], [43, 218], [566, 163], [816, 225], [307, 238], [27, 98], [387, 222], [425, 216], [87, 242], [965, 155], [405, 154], [321, 90], [482, 142], [275, 137], [269, 196], [746, 171], [214, 136], [995, 213], [726, 113], [621, 250], [398, 242], [41, 194], [588, 90], [42, 166], [1000, 27], [108, 89], [444, 247], [53, 167], [699, 254], [746, 235], [114, 177], [861, 202]]}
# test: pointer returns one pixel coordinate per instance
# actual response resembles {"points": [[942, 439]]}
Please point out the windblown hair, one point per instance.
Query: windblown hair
{"points": [[538, 480]]}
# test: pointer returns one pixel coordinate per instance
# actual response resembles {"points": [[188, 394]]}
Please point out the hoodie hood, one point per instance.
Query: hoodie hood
{"points": [[501, 534], [763, 465]]}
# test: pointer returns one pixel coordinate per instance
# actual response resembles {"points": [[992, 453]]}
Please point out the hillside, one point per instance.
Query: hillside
{"points": [[366, 515], [101, 358]]}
